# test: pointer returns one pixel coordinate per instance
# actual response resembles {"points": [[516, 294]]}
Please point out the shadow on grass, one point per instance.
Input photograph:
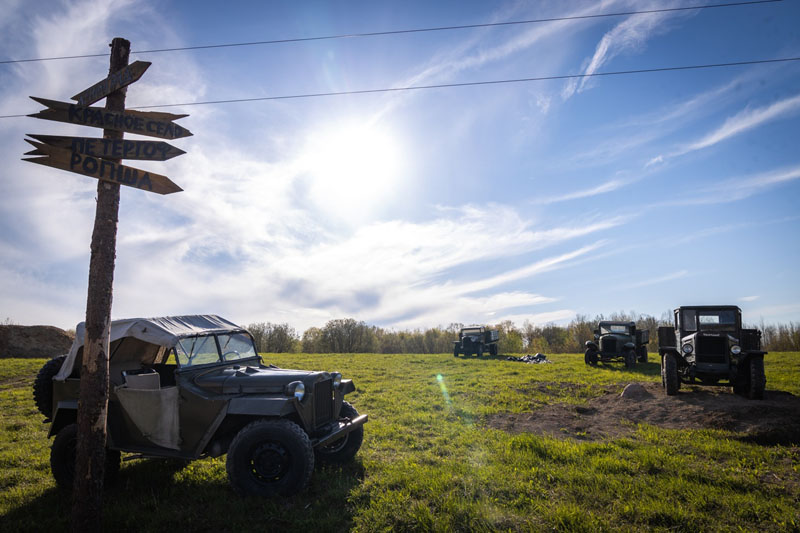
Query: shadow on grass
{"points": [[646, 369], [157, 495]]}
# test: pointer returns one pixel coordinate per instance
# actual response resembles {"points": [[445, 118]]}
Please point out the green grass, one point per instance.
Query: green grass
{"points": [[429, 463]]}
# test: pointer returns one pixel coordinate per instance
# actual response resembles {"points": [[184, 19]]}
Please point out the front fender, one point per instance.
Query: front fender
{"points": [[592, 345], [629, 346]]}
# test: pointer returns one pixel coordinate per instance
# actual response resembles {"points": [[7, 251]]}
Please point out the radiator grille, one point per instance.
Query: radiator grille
{"points": [[712, 350], [608, 345], [323, 402]]}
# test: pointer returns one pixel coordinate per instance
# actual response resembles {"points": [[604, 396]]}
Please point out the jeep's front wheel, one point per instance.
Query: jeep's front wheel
{"points": [[669, 374], [269, 457], [62, 458], [43, 385], [344, 449], [590, 357], [757, 379]]}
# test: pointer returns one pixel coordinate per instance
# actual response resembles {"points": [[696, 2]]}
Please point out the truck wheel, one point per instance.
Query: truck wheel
{"points": [[493, 350], [455, 351], [62, 458], [757, 379], [590, 357], [630, 359], [669, 374], [269, 457], [344, 449], [643, 354], [43, 385], [480, 350]]}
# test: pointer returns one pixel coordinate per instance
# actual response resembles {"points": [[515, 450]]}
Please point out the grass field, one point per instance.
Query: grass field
{"points": [[430, 463]]}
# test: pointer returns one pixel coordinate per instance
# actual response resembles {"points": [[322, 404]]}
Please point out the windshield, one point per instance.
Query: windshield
{"points": [[723, 319], [471, 331], [605, 329], [207, 349]]}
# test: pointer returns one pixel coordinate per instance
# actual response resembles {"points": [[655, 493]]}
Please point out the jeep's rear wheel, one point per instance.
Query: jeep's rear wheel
{"points": [[669, 374], [62, 458], [269, 457], [344, 449], [630, 359], [757, 379], [590, 357], [43, 385]]}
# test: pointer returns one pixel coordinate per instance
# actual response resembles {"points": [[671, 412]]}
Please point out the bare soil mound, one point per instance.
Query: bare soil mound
{"points": [[773, 420], [33, 341]]}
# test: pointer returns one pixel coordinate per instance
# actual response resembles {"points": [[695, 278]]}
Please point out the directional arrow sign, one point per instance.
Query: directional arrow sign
{"points": [[111, 148], [119, 79], [152, 124], [101, 169]]}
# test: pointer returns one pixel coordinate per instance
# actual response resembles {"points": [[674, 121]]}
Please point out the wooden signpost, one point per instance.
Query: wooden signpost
{"points": [[100, 158]]}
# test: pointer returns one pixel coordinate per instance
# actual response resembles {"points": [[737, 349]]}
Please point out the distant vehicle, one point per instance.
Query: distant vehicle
{"points": [[476, 340], [188, 387], [707, 345], [617, 341]]}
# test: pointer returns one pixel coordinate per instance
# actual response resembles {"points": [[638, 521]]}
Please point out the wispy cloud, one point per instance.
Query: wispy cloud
{"points": [[654, 281], [606, 187], [748, 298]]}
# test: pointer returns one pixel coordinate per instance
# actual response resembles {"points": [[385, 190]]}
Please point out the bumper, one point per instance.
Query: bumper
{"points": [[343, 429]]}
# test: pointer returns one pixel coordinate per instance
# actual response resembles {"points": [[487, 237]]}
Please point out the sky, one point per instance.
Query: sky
{"points": [[532, 201]]}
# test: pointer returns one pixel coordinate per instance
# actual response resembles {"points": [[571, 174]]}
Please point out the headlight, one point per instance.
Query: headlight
{"points": [[337, 379], [296, 389], [736, 349], [687, 348]]}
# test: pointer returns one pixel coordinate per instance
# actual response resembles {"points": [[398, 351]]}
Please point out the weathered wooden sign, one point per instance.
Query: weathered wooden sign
{"points": [[117, 80], [149, 123], [110, 148], [100, 169]]}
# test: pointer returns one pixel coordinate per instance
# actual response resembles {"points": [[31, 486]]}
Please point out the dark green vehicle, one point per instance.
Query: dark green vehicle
{"points": [[708, 345], [616, 341], [188, 387], [476, 340]]}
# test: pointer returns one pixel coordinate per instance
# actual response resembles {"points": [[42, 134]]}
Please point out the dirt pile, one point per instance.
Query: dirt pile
{"points": [[773, 420], [33, 341]]}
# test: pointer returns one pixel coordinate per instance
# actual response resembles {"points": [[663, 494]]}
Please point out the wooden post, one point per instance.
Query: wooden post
{"points": [[87, 504]]}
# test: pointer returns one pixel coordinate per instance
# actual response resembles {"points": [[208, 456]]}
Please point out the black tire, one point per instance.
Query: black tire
{"points": [[669, 374], [480, 350], [590, 357], [62, 458], [493, 350], [43, 385], [455, 351], [758, 380], [630, 359], [270, 457], [342, 450], [643, 354]]}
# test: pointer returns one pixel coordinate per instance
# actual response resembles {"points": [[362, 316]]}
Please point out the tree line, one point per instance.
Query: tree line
{"points": [[347, 335]]}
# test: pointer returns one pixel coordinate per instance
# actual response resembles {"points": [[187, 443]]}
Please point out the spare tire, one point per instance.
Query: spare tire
{"points": [[43, 385]]}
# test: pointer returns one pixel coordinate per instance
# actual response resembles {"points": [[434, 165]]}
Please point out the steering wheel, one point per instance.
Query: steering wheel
{"points": [[226, 354]]}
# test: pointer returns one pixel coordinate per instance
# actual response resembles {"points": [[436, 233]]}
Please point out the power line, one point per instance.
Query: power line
{"points": [[400, 32], [467, 84]]}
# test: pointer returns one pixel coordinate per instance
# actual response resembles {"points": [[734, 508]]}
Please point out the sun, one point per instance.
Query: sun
{"points": [[352, 168]]}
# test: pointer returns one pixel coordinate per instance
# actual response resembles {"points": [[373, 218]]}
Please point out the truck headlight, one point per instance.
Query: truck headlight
{"points": [[296, 389], [337, 379], [736, 349], [687, 348]]}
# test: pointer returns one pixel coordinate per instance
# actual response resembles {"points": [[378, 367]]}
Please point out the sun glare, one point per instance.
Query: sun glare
{"points": [[353, 169]]}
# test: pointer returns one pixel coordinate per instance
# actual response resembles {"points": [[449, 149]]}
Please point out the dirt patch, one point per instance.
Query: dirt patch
{"points": [[33, 341], [773, 420]]}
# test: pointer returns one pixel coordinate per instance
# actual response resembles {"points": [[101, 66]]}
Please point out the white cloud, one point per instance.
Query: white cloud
{"points": [[748, 298], [654, 281], [603, 188]]}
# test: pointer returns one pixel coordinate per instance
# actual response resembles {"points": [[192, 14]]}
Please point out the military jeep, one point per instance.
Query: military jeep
{"points": [[187, 387], [616, 341], [476, 340], [708, 345]]}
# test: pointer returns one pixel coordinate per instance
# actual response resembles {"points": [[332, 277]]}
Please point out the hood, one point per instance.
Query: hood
{"points": [[254, 380]]}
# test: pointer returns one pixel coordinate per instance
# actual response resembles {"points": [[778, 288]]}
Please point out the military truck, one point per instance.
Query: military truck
{"points": [[708, 345], [476, 340], [616, 341], [188, 387]]}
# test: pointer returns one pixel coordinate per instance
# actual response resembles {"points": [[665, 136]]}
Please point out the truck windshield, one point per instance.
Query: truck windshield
{"points": [[605, 329], [205, 349], [472, 331], [719, 320]]}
